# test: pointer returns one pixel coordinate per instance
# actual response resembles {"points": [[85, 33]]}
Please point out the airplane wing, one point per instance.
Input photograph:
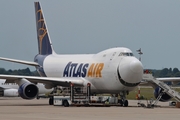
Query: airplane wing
{"points": [[46, 80], [169, 79], [173, 80], [20, 61]]}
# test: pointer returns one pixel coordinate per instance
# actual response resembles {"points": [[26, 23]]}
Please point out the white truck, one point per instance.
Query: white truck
{"points": [[81, 96], [94, 100], [62, 101]]}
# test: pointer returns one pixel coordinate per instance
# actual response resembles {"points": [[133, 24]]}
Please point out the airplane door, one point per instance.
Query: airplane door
{"points": [[111, 58]]}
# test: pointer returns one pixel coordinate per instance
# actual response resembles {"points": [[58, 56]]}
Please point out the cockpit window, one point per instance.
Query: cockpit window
{"points": [[126, 54], [131, 54]]}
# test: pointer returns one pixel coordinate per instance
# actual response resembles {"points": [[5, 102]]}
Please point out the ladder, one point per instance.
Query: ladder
{"points": [[166, 89]]}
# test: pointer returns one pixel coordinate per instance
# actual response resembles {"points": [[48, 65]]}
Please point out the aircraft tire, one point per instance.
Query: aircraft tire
{"points": [[125, 103], [50, 101], [37, 97], [65, 103], [120, 102]]}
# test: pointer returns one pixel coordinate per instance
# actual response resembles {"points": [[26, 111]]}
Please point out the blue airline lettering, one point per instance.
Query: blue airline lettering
{"points": [[82, 70], [78, 73], [73, 70], [66, 70]]}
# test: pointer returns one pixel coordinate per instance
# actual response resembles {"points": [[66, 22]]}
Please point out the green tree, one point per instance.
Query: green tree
{"points": [[2, 71], [164, 72], [175, 70]]}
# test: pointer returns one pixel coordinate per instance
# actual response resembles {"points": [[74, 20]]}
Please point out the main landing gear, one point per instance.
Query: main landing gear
{"points": [[51, 101], [51, 98], [123, 101]]}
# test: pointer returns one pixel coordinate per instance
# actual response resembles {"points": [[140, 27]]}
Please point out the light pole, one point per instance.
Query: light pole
{"points": [[138, 94], [140, 53]]}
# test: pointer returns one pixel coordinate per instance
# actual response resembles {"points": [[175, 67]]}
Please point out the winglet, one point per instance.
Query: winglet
{"points": [[44, 41]]}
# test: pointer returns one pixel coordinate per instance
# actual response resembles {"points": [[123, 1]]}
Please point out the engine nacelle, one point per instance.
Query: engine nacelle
{"points": [[10, 93], [165, 97], [28, 91]]}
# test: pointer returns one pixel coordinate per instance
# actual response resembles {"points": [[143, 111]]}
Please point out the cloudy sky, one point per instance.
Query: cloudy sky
{"points": [[89, 26]]}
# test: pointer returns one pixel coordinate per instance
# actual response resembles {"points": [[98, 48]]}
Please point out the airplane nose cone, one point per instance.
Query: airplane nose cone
{"points": [[136, 66], [131, 71]]}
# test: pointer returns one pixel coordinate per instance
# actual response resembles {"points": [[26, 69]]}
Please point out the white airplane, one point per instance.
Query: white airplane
{"points": [[11, 90], [114, 71]]}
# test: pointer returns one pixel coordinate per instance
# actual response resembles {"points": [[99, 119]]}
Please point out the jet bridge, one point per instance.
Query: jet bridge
{"points": [[166, 89]]}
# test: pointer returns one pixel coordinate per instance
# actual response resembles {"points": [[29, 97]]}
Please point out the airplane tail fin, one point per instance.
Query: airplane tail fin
{"points": [[44, 41]]}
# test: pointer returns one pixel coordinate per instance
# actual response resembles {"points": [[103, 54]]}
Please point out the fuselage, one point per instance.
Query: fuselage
{"points": [[110, 71]]}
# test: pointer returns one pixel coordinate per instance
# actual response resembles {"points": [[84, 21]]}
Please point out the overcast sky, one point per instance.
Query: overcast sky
{"points": [[90, 26]]}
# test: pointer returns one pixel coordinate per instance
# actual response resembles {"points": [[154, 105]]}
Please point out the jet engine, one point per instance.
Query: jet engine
{"points": [[165, 97], [28, 91]]}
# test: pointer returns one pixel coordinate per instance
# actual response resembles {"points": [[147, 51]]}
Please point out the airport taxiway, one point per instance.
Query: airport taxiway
{"points": [[19, 109]]}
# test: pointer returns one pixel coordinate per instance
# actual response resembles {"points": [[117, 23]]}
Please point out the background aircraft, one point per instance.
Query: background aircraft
{"points": [[11, 89]]}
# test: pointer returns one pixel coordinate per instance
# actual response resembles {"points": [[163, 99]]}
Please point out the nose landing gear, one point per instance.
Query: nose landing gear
{"points": [[123, 101]]}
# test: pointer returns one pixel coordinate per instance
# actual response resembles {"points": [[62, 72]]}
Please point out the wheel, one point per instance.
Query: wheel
{"points": [[65, 103], [37, 97], [125, 103], [120, 102], [50, 101]]}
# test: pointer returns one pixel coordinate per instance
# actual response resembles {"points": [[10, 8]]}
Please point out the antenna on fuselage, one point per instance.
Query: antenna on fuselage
{"points": [[140, 53]]}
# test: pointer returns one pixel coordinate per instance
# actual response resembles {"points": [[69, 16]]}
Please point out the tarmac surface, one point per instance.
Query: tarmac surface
{"points": [[19, 109]]}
